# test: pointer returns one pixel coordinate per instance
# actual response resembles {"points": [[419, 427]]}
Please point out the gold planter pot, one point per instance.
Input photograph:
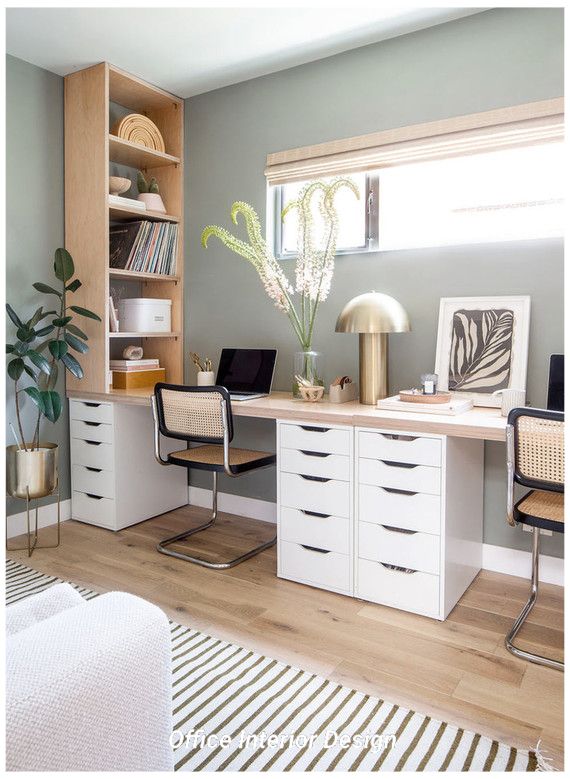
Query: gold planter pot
{"points": [[31, 475]]}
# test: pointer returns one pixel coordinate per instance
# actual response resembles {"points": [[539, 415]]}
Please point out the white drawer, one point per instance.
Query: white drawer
{"points": [[91, 411], [320, 530], [417, 592], [326, 497], [315, 438], [322, 568], [408, 510], [400, 448], [93, 509], [91, 431], [93, 453], [330, 466], [409, 549], [93, 481], [414, 478]]}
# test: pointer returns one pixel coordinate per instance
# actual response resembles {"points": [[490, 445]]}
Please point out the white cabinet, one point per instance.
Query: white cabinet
{"points": [[115, 480], [384, 516]]}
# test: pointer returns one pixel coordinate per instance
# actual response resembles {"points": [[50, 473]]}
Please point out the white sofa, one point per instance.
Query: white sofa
{"points": [[88, 684]]}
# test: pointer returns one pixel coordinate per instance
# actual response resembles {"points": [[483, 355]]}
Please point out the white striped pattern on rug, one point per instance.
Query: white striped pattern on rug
{"points": [[222, 690]]}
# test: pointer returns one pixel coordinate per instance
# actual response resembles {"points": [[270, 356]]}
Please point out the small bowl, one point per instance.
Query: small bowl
{"points": [[118, 185], [312, 394]]}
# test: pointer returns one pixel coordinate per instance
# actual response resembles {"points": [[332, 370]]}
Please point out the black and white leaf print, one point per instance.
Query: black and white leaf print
{"points": [[481, 350]]}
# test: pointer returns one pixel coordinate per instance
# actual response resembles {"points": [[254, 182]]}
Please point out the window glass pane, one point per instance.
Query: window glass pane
{"points": [[496, 196], [352, 221]]}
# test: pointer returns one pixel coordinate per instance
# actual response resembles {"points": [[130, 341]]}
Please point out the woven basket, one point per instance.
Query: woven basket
{"points": [[137, 128]]}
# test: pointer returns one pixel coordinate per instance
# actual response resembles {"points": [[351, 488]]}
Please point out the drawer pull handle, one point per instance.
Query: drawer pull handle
{"points": [[398, 492], [395, 437], [312, 429], [313, 478], [92, 424], [95, 470], [399, 530], [394, 464], [315, 514], [315, 549], [93, 443], [308, 453], [91, 405], [94, 497], [397, 568]]}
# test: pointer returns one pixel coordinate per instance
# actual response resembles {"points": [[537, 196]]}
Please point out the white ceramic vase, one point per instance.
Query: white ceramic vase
{"points": [[153, 202]]}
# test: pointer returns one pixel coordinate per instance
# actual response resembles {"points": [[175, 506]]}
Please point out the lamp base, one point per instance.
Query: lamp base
{"points": [[373, 355]]}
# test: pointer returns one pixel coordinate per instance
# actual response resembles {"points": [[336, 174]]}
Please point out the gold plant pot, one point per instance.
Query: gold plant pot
{"points": [[31, 474]]}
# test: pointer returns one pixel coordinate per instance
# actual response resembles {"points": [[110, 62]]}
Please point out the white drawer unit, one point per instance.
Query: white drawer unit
{"points": [[314, 493], [400, 476], [328, 466], [316, 566], [316, 438], [401, 448], [115, 480], [407, 510], [403, 589], [393, 545], [315, 529]]}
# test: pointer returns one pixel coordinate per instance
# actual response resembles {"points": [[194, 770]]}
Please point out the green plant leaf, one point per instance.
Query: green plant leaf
{"points": [[85, 312], [46, 289], [45, 331], [35, 319], [72, 365], [62, 321], [20, 348], [63, 265], [41, 347], [10, 349], [13, 316], [15, 368], [74, 286], [76, 331], [32, 374], [52, 404], [39, 361], [48, 382], [76, 343], [25, 334], [58, 349], [36, 396]]}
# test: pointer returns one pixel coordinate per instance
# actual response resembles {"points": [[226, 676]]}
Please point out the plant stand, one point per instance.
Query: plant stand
{"points": [[33, 541]]}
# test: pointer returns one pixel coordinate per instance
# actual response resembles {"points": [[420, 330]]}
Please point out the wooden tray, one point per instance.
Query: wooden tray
{"points": [[408, 396]]}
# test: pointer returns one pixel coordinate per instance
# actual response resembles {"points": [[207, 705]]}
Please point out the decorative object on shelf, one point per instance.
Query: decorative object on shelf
{"points": [[417, 396], [311, 394], [314, 266], [133, 352], [118, 185], [145, 315], [113, 317], [31, 465], [429, 383], [373, 315], [343, 390], [137, 379], [510, 398], [452, 407], [309, 366], [137, 128], [149, 193], [482, 346]]}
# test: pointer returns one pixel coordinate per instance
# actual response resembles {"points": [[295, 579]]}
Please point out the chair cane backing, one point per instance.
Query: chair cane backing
{"points": [[196, 415], [540, 449]]}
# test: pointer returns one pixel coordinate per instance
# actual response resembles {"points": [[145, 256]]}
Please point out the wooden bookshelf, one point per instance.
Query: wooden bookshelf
{"points": [[90, 149]]}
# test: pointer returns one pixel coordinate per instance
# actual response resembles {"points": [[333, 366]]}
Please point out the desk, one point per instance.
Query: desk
{"points": [[381, 505]]}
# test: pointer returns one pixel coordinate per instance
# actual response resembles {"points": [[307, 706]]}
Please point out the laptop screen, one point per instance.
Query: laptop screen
{"points": [[246, 370], [555, 400]]}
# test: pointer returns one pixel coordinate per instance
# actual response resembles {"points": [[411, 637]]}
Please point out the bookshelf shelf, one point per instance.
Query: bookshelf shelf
{"points": [[117, 273], [123, 213], [136, 156], [144, 335]]}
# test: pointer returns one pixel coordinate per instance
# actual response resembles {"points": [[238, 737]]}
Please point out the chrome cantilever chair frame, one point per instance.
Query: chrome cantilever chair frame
{"points": [[513, 475], [163, 546]]}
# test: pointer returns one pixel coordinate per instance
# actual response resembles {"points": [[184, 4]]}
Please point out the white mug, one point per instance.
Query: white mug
{"points": [[206, 378], [511, 398]]}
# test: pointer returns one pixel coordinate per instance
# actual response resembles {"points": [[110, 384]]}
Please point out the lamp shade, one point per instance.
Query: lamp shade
{"points": [[373, 312]]}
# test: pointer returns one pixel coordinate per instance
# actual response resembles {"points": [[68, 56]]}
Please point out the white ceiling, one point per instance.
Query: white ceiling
{"points": [[192, 50]]}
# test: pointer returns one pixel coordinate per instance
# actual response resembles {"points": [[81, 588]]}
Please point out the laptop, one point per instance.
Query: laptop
{"points": [[555, 400], [246, 373]]}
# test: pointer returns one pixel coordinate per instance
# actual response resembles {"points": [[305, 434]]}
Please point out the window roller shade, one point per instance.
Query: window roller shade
{"points": [[522, 125]]}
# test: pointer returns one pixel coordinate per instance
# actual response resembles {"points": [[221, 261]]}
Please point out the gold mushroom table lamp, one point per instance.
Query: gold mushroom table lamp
{"points": [[373, 315]]}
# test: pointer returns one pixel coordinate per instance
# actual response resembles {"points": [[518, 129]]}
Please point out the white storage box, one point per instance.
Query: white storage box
{"points": [[145, 315]]}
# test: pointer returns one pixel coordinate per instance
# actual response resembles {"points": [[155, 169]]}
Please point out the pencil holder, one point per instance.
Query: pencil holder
{"points": [[206, 378]]}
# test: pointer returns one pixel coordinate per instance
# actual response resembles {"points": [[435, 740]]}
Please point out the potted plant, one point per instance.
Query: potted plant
{"points": [[314, 267], [149, 193], [43, 342]]}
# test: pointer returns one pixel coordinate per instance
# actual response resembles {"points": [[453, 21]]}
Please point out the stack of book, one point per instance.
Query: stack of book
{"points": [[134, 374], [146, 247], [119, 200]]}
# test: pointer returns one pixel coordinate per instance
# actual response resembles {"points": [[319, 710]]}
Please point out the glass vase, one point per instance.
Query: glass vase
{"points": [[308, 365]]}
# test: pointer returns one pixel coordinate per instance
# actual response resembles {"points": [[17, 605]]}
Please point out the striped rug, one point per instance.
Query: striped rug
{"points": [[236, 710]]}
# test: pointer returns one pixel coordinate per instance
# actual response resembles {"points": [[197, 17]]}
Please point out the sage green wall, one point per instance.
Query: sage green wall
{"points": [[493, 59], [34, 213]]}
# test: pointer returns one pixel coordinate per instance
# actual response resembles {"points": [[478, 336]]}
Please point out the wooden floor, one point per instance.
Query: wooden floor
{"points": [[457, 670]]}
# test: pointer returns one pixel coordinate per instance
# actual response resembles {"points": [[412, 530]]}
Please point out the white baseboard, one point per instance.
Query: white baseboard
{"points": [[501, 559], [47, 515]]}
